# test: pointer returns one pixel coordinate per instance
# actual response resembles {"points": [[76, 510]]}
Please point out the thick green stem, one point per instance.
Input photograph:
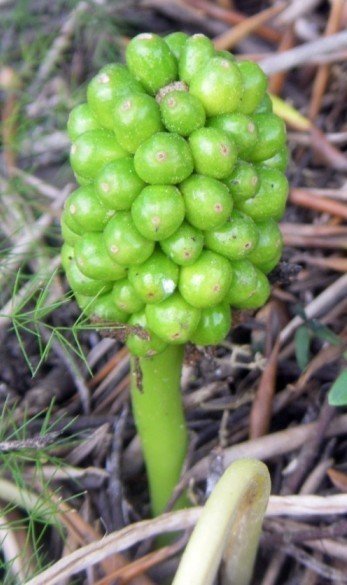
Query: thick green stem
{"points": [[160, 420]]}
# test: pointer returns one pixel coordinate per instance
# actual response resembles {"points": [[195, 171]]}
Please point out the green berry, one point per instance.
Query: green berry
{"points": [[69, 236], [110, 83], [184, 246], [94, 149], [208, 201], [268, 249], [214, 325], [265, 106], [87, 210], [149, 59], [164, 158], [81, 119], [158, 211], [93, 260], [206, 282], [118, 184], [270, 200], [268, 266], [225, 55], [197, 51], [126, 298], [67, 255], [68, 219], [173, 320], [235, 238], [182, 112], [254, 84], [176, 42], [103, 309], [124, 243], [259, 296], [155, 279], [218, 86], [83, 284], [244, 282], [214, 153], [272, 137], [243, 182], [278, 161], [141, 341], [136, 117], [82, 180], [240, 128]]}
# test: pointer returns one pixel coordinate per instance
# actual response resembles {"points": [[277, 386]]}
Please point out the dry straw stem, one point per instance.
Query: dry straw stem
{"points": [[233, 36], [265, 448], [323, 72], [233, 17], [300, 55], [115, 542]]}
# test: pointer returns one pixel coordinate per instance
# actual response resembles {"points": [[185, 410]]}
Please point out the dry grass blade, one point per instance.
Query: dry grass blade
{"points": [[300, 55], [338, 479], [261, 409], [322, 76], [324, 205], [232, 37], [93, 553]]}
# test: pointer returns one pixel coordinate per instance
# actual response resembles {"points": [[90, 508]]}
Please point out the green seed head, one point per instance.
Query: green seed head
{"points": [[181, 163]]}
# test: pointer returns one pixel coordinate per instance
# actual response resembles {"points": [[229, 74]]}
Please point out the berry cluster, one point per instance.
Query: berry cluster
{"points": [[181, 165]]}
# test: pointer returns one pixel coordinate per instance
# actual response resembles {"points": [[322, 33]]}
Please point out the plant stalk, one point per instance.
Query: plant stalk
{"points": [[229, 528], [160, 421]]}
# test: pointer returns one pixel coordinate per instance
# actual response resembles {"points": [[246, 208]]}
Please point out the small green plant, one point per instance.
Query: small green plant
{"points": [[180, 162]]}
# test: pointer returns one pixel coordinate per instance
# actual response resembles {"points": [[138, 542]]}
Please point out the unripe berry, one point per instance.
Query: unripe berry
{"points": [[244, 282], [269, 246], [243, 182], [155, 279], [94, 149], [118, 184], [103, 309], [218, 86], [214, 325], [235, 239], [150, 61], [87, 211], [214, 153], [240, 128], [173, 320], [136, 117], [124, 243], [206, 282], [272, 136], [158, 211], [182, 112], [196, 53], [270, 199], [93, 260], [110, 83], [259, 296], [83, 284], [164, 158], [176, 42], [208, 201], [254, 86], [142, 342], [126, 298], [184, 246], [81, 120]]}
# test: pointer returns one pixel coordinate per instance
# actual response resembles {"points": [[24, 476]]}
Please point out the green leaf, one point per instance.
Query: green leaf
{"points": [[338, 392], [302, 346]]}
